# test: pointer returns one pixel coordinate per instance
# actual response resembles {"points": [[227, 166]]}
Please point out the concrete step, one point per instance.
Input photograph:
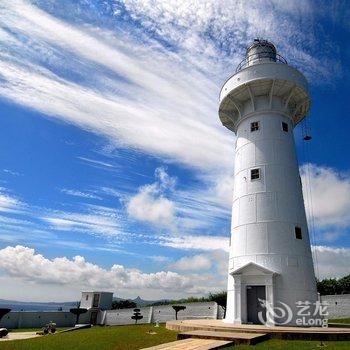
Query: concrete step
{"points": [[236, 337], [193, 344]]}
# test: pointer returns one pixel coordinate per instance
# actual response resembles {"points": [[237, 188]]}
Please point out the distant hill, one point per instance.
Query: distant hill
{"points": [[36, 306], [64, 306], [141, 302]]}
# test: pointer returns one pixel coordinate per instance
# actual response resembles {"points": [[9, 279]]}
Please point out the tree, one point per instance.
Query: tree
{"points": [[331, 286], [77, 311], [328, 286], [123, 304], [344, 284], [137, 315], [178, 308], [220, 298]]}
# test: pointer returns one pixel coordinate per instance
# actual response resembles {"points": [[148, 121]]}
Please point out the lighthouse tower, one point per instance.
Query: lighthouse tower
{"points": [[270, 253]]}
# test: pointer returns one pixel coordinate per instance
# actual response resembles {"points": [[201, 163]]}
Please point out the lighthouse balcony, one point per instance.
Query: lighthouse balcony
{"points": [[270, 81]]}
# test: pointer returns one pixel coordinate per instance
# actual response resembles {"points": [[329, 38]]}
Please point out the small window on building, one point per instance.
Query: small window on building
{"points": [[87, 297], [255, 174], [254, 126], [284, 126], [298, 234]]}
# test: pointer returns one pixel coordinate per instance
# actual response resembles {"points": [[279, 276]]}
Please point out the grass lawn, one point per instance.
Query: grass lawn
{"points": [[97, 338], [137, 337], [340, 320]]}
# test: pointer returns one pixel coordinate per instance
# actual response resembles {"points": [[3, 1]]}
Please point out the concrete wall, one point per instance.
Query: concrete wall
{"points": [[339, 305], [193, 310], [123, 316], [104, 301], [27, 319], [162, 313], [24, 319]]}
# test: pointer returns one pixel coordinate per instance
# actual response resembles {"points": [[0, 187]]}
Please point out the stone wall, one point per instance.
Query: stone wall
{"points": [[339, 305]]}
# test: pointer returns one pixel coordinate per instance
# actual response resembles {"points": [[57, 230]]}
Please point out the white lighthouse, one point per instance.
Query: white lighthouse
{"points": [[270, 253]]}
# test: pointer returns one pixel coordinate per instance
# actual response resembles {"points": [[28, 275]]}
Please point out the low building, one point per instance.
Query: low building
{"points": [[95, 302]]}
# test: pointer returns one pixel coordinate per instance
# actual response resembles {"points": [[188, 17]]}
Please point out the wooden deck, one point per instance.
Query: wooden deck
{"points": [[301, 333], [192, 344], [236, 338]]}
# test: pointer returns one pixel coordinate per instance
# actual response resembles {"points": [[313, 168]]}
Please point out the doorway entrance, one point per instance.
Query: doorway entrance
{"points": [[254, 293], [93, 317]]}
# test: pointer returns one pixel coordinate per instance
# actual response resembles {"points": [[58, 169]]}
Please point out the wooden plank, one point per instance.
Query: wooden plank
{"points": [[280, 332], [237, 337], [192, 344]]}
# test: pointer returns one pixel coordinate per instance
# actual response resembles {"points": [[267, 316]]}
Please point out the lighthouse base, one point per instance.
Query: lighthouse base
{"points": [[279, 332], [255, 296]]}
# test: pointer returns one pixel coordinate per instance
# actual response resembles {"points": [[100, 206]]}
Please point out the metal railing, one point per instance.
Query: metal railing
{"points": [[260, 56]]}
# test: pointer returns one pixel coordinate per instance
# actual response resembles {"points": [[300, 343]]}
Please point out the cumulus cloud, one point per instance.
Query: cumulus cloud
{"points": [[25, 265], [327, 195], [23, 262], [332, 261], [150, 205], [196, 262], [215, 260]]}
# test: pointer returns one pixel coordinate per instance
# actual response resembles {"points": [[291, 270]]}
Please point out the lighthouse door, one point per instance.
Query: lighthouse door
{"points": [[254, 293]]}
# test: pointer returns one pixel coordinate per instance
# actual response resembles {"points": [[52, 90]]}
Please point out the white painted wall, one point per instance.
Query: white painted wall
{"points": [[104, 303], [339, 305], [164, 313], [27, 319], [265, 212]]}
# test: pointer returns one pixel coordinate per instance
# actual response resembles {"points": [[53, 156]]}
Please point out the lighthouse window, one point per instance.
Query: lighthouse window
{"points": [[254, 126], [298, 234], [255, 174], [284, 126]]}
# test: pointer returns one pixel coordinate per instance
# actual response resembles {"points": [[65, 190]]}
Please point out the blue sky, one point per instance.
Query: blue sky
{"points": [[115, 172]]}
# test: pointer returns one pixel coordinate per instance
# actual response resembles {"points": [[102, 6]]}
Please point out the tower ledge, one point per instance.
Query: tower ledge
{"points": [[269, 79]]}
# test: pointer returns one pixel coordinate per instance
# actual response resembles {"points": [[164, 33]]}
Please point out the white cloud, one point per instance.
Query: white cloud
{"points": [[199, 242], [24, 265], [190, 263], [139, 104], [23, 262], [96, 163], [154, 111], [331, 236], [98, 220], [150, 205], [330, 195], [81, 194], [11, 172], [331, 261], [205, 28], [9, 203]]}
